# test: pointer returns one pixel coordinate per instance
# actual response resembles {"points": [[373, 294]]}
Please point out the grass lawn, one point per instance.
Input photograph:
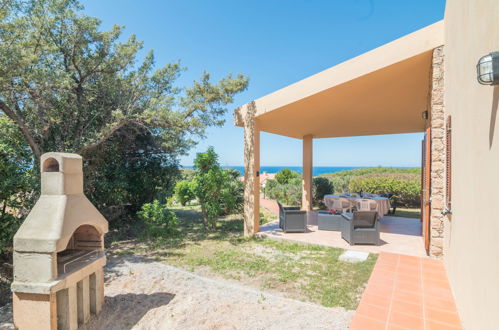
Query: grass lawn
{"points": [[306, 272], [408, 213]]}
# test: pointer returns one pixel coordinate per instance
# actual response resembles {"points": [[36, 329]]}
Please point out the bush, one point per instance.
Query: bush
{"points": [[183, 192], [286, 187], [341, 180], [321, 186], [286, 176], [159, 220], [218, 191], [405, 187]]}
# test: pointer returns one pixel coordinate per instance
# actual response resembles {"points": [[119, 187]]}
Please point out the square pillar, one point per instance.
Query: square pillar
{"points": [[96, 291], [251, 173], [83, 296], [306, 199]]}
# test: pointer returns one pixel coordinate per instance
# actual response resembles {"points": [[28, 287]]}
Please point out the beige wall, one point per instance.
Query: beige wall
{"points": [[472, 236]]}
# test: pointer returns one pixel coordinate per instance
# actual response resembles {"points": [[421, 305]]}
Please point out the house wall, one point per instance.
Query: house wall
{"points": [[471, 246]]}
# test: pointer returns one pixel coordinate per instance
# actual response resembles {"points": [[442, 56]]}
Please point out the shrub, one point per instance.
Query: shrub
{"points": [[217, 190], [285, 176], [341, 180], [286, 187], [321, 186], [159, 219], [405, 187], [183, 192]]}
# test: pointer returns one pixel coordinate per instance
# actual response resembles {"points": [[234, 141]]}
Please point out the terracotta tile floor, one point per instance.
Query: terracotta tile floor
{"points": [[406, 292]]}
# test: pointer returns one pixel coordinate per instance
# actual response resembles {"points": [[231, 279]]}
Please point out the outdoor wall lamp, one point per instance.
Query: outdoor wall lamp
{"points": [[488, 69]]}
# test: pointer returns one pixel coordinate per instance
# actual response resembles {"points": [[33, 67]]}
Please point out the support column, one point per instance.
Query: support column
{"points": [[306, 199], [251, 172]]}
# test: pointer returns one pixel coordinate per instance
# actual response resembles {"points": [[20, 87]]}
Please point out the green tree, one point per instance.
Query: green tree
{"points": [[16, 181], [216, 189], [69, 86], [285, 176], [321, 186], [184, 192], [286, 187]]}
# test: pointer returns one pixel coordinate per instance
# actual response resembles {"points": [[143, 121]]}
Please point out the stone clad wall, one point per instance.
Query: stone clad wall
{"points": [[251, 167], [437, 123]]}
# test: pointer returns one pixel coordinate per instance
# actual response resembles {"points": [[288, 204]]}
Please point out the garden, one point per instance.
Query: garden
{"points": [[66, 85]]}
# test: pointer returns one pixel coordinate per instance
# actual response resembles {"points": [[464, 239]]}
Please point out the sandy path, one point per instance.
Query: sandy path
{"points": [[143, 294]]}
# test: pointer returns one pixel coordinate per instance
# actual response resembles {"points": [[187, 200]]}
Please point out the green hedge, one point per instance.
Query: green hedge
{"points": [[373, 170], [403, 182], [405, 186]]}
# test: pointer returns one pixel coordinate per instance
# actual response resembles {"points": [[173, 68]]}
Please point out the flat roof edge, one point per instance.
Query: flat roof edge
{"points": [[410, 45]]}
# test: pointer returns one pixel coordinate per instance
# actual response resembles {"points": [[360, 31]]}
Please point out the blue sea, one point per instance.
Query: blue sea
{"points": [[317, 170]]}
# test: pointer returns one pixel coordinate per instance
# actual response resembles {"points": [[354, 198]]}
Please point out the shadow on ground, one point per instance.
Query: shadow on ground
{"points": [[124, 311]]}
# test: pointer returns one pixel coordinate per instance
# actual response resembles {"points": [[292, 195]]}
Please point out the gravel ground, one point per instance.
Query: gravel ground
{"points": [[144, 294]]}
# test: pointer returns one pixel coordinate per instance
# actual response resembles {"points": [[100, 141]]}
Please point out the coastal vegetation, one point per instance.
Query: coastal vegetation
{"points": [[67, 85], [403, 183]]}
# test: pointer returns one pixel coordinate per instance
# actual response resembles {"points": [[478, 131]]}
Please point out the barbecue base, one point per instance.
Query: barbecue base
{"points": [[64, 303]]}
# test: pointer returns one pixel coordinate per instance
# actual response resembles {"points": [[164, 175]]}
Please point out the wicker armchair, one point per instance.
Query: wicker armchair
{"points": [[361, 228], [292, 219]]}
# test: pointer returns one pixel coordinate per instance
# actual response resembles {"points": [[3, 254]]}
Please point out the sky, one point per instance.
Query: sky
{"points": [[275, 43]]}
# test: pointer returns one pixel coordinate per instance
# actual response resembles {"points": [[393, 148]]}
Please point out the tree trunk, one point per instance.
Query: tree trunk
{"points": [[204, 214], [4, 208]]}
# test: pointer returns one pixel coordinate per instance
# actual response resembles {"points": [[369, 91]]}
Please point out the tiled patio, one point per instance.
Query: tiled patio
{"points": [[398, 235], [406, 292]]}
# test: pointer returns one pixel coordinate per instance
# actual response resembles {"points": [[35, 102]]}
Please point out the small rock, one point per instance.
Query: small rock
{"points": [[354, 256]]}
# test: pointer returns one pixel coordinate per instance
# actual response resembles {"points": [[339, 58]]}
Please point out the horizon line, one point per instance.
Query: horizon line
{"points": [[362, 166]]}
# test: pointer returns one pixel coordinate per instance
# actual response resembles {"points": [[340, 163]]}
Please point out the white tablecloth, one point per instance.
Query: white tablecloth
{"points": [[383, 203]]}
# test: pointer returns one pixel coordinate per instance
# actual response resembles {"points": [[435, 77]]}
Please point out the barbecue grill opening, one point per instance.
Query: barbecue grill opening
{"points": [[51, 165], [84, 246]]}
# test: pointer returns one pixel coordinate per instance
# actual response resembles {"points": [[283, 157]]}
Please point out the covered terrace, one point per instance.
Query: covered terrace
{"points": [[389, 90]]}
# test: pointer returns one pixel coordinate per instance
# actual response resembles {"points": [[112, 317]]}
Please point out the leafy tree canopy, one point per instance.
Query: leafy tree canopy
{"points": [[69, 86]]}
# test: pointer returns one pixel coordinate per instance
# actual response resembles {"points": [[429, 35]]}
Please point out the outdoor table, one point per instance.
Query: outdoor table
{"points": [[383, 203]]}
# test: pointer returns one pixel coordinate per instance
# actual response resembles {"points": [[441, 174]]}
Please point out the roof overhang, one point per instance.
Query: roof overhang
{"points": [[383, 91]]}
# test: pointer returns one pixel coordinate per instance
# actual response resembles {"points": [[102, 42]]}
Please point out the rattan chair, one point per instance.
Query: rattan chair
{"points": [[292, 219], [361, 228]]}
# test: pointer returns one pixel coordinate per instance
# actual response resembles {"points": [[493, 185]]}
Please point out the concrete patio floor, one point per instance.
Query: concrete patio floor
{"points": [[398, 235]]}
